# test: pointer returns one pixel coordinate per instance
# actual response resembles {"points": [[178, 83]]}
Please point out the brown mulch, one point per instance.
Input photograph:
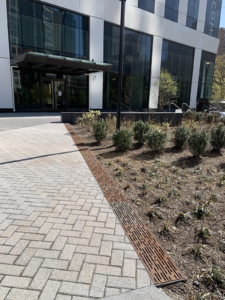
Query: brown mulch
{"points": [[167, 184]]}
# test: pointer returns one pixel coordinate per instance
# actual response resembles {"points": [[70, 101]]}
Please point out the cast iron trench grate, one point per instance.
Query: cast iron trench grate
{"points": [[159, 265]]}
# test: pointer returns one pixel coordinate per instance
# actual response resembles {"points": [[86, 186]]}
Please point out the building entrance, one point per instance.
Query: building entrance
{"points": [[54, 97]]}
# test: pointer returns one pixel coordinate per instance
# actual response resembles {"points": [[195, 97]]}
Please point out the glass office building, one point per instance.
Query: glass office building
{"points": [[65, 56]]}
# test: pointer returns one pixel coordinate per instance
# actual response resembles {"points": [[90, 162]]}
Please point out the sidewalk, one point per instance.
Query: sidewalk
{"points": [[59, 238]]}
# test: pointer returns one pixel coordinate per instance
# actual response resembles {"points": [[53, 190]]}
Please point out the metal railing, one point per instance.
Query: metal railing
{"points": [[188, 107], [121, 104], [174, 105]]}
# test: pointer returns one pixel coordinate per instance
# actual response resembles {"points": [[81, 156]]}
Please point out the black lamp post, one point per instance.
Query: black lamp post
{"points": [[120, 79], [206, 75]]}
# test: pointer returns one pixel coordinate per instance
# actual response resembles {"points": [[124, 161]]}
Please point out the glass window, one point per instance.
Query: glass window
{"points": [[77, 92], [212, 18], [148, 5], [32, 9], [192, 14], [171, 10], [136, 69], [27, 90], [14, 5], [42, 28], [32, 32], [178, 60], [206, 68]]}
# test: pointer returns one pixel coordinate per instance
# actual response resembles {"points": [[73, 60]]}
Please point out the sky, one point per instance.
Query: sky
{"points": [[222, 18]]}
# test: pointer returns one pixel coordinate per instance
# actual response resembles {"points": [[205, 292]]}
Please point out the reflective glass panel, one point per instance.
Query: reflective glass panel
{"points": [[52, 36], [32, 9], [171, 10], [136, 69], [178, 60], [148, 5], [206, 75], [192, 14], [32, 32], [15, 28], [212, 18], [77, 92]]}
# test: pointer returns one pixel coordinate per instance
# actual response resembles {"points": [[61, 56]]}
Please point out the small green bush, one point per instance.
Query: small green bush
{"points": [[122, 139], [89, 118], [218, 137], [181, 135], [100, 130], [140, 128], [156, 140], [200, 116], [189, 114], [209, 118], [198, 142]]}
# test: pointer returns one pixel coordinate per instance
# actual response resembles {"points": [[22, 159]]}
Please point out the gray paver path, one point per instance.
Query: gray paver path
{"points": [[59, 238]]}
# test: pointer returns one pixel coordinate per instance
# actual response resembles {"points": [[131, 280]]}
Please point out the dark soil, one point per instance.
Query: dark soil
{"points": [[167, 184]]}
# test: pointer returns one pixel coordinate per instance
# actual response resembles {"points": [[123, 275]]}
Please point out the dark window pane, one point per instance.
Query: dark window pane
{"points": [[15, 50], [52, 14], [72, 20], [52, 36], [83, 43], [32, 32], [192, 14], [206, 68], [136, 69], [148, 5], [77, 88], [31, 8], [13, 5], [178, 60], [15, 28], [171, 10]]}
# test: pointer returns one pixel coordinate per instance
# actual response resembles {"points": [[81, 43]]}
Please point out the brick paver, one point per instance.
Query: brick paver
{"points": [[59, 238]]}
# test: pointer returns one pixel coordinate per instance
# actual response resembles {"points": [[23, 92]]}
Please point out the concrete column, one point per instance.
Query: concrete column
{"points": [[6, 101], [195, 77], [96, 53], [182, 13], [160, 8], [155, 70]]}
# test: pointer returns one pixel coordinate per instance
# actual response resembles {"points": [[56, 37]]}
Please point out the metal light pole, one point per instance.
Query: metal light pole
{"points": [[120, 79], [206, 75]]}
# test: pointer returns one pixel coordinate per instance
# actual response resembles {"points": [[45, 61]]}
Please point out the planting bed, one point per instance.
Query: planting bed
{"points": [[161, 186]]}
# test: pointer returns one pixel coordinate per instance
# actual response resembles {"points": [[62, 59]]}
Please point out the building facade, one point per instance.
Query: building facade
{"points": [[180, 36], [221, 48]]}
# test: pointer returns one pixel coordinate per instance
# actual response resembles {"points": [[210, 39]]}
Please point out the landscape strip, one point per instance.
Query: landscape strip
{"points": [[160, 267]]}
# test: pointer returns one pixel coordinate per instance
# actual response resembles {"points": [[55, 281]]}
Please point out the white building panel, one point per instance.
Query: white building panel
{"points": [[4, 37], [6, 101]]}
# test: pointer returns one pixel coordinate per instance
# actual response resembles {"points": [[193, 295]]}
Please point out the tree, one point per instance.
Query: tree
{"points": [[167, 86], [218, 88]]}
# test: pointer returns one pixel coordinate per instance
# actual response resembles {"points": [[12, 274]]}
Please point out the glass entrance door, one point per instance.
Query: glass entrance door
{"points": [[54, 94]]}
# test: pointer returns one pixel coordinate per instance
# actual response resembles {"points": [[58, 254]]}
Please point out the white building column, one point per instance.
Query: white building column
{"points": [[96, 53], [195, 77], [155, 71], [182, 13], [6, 99]]}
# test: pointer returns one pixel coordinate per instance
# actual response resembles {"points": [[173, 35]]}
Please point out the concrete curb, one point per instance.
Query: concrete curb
{"points": [[148, 293]]}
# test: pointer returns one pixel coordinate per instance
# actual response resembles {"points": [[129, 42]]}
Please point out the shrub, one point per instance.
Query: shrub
{"points": [[189, 114], [209, 118], [122, 139], [181, 135], [200, 116], [218, 137], [166, 126], [100, 129], [156, 140], [216, 117], [222, 120], [140, 128], [89, 118], [198, 142]]}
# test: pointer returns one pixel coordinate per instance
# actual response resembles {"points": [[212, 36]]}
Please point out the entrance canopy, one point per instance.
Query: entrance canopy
{"points": [[47, 62]]}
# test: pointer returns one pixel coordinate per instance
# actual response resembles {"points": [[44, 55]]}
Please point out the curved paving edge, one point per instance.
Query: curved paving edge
{"points": [[159, 265], [148, 293]]}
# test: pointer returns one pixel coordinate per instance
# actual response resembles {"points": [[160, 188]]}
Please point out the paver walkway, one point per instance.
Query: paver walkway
{"points": [[59, 238]]}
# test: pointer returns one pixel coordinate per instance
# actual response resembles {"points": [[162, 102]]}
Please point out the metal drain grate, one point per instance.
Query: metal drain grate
{"points": [[159, 265], [125, 213]]}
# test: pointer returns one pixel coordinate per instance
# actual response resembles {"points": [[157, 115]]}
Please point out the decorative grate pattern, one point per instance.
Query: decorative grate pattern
{"points": [[160, 267]]}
